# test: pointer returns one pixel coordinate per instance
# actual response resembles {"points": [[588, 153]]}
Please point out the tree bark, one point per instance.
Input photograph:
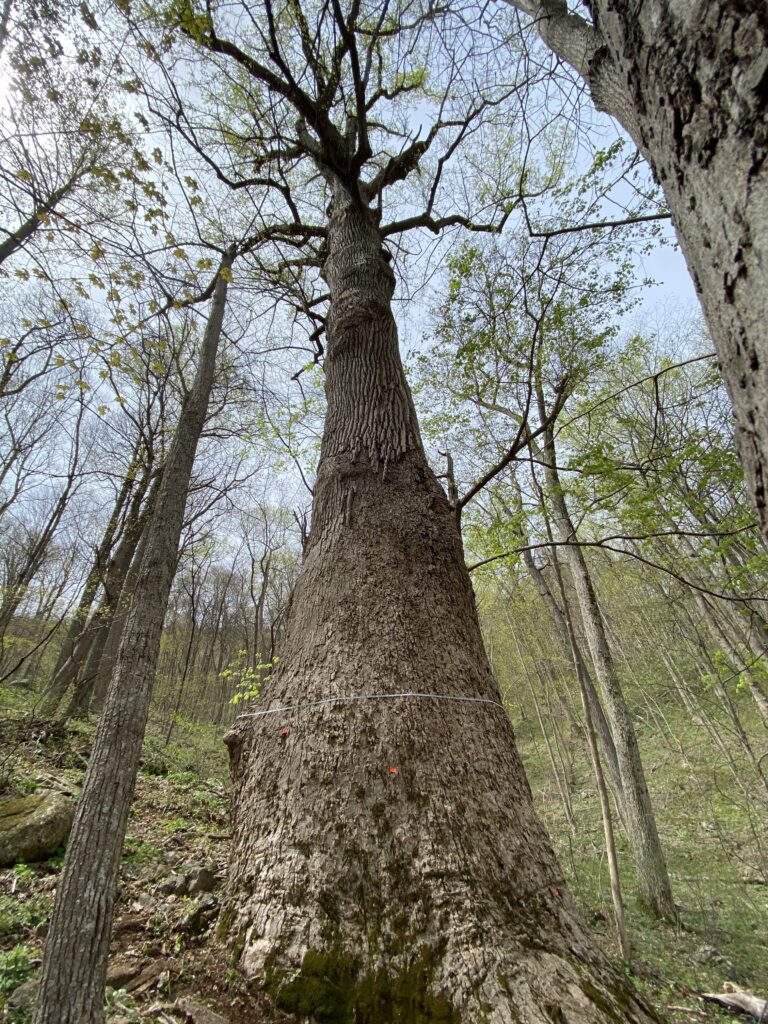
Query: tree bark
{"points": [[561, 780], [190, 645], [572, 653], [29, 227], [117, 625], [15, 590], [688, 81], [719, 627], [75, 963], [387, 860]]}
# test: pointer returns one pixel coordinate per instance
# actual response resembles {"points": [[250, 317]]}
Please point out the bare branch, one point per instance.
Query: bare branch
{"points": [[578, 44], [605, 544], [597, 225]]}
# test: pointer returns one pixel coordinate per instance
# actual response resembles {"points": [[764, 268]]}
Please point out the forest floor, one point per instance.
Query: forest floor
{"points": [[165, 962]]}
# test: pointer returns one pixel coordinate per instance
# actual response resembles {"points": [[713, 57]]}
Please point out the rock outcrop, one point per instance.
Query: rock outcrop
{"points": [[33, 827]]}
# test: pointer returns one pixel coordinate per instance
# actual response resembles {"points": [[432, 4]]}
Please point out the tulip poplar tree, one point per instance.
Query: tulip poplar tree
{"points": [[388, 863]]}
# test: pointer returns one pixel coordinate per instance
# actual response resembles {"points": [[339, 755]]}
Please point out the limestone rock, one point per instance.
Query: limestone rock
{"points": [[197, 1013], [175, 885], [157, 973], [192, 879], [199, 914], [201, 879], [128, 923], [33, 827], [121, 971]]}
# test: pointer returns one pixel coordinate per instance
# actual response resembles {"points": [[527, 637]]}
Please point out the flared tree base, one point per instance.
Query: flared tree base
{"points": [[388, 864]]}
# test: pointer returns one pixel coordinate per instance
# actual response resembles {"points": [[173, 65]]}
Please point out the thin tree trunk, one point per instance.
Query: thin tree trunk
{"points": [[602, 792], [97, 569], [112, 579], [50, 601], [27, 228], [74, 967], [654, 886], [571, 652], [561, 782], [14, 593], [560, 687], [729, 631], [574, 656], [117, 625], [560, 745], [698, 712], [185, 668], [661, 725], [721, 632], [81, 695], [223, 691], [386, 855], [722, 691]]}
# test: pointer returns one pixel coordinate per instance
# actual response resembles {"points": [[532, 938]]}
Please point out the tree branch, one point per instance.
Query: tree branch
{"points": [[606, 546], [581, 46], [437, 224], [597, 225]]}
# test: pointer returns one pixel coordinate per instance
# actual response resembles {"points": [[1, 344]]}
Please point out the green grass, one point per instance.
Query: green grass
{"points": [[139, 851], [195, 752], [20, 913], [714, 834], [713, 827], [16, 965]]}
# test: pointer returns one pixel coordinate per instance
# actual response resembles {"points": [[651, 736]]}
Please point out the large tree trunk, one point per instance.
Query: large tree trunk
{"points": [[637, 812], [688, 81], [697, 74], [388, 864], [75, 963]]}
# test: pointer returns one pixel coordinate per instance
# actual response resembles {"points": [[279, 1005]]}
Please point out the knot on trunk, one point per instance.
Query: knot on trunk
{"points": [[233, 740], [357, 265], [349, 465]]}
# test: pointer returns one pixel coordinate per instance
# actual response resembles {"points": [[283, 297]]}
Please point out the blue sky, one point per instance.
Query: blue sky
{"points": [[666, 266]]}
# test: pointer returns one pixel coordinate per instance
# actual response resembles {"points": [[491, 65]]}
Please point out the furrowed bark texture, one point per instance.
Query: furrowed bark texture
{"points": [[75, 962], [697, 74], [387, 861], [688, 80]]}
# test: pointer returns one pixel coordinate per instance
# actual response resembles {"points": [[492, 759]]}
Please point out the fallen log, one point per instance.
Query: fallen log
{"points": [[743, 1002]]}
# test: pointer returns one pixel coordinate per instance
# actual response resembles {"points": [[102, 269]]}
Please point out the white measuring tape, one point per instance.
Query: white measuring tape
{"points": [[369, 696]]}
